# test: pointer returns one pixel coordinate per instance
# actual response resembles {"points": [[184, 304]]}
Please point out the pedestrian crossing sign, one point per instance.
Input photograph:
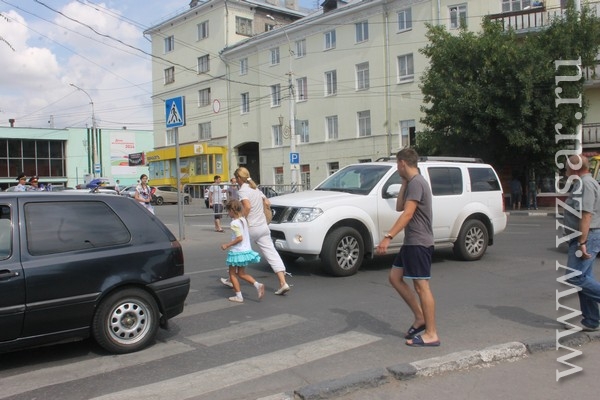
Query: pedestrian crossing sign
{"points": [[175, 112]]}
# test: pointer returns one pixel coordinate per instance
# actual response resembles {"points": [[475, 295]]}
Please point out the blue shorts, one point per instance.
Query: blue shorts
{"points": [[416, 261]]}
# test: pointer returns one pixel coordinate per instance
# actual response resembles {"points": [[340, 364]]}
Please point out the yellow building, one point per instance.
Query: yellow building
{"points": [[198, 163]]}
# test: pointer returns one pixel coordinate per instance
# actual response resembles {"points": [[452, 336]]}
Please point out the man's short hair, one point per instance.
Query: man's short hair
{"points": [[217, 177], [409, 155]]}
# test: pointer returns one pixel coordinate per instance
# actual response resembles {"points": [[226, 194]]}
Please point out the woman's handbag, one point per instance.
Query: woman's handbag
{"points": [[268, 212]]}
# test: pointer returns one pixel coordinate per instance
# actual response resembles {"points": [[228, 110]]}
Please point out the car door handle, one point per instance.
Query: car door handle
{"points": [[5, 274]]}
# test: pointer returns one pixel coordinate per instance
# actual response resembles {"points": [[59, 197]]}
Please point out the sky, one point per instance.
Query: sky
{"points": [[50, 48]]}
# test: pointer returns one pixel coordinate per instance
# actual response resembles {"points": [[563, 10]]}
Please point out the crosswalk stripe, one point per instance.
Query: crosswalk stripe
{"points": [[223, 376], [205, 307], [245, 329], [33, 380]]}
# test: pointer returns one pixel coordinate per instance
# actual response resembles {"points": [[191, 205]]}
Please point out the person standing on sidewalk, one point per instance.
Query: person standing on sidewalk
{"points": [[414, 258], [215, 201], [584, 199], [532, 192], [253, 203]]}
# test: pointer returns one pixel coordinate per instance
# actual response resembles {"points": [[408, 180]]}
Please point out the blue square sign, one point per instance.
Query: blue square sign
{"points": [[175, 112], [294, 158]]}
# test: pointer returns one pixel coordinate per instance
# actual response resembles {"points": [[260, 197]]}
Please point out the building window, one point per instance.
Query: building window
{"points": [[458, 16], [404, 20], [515, 5], [277, 135], [269, 27], [300, 48], [274, 55], [406, 68], [278, 175], [302, 130], [170, 137], [362, 76], [243, 26], [204, 97], [332, 167], [305, 175], [245, 103], [362, 31], [329, 40], [169, 44], [203, 64], [169, 75], [301, 89], [407, 133], [330, 83], [202, 30], [275, 95], [332, 127], [204, 131], [243, 66], [45, 158], [364, 123]]}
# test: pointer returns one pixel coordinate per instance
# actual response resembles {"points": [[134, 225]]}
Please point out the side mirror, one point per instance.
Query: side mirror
{"points": [[393, 190]]}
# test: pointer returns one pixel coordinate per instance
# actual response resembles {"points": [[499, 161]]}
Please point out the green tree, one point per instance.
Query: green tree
{"points": [[492, 94]]}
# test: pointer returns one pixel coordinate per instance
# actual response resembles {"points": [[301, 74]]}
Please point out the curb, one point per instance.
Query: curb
{"points": [[433, 366]]}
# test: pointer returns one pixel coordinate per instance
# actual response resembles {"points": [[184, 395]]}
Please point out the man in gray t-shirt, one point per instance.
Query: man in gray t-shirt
{"points": [[414, 259], [582, 219]]}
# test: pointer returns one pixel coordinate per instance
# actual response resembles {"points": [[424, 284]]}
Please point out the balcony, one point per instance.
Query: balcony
{"points": [[534, 18], [528, 20], [591, 135]]}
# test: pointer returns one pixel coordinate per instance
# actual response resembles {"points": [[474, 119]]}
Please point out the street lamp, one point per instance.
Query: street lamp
{"points": [[293, 167], [94, 133]]}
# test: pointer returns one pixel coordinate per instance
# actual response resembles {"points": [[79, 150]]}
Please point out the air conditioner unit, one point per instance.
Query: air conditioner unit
{"points": [[242, 160]]}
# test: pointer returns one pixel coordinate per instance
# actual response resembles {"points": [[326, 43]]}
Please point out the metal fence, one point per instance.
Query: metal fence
{"points": [[198, 205]]}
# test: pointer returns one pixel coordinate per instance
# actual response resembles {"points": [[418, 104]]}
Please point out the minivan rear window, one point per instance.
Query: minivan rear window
{"points": [[445, 181], [483, 180], [61, 226]]}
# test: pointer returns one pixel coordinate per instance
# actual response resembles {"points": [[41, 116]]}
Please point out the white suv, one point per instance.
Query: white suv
{"points": [[344, 218]]}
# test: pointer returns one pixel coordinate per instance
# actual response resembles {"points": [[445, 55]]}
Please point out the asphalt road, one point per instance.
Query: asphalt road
{"points": [[325, 328]]}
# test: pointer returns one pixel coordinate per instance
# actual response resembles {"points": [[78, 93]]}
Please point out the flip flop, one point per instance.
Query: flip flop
{"points": [[417, 341], [414, 331]]}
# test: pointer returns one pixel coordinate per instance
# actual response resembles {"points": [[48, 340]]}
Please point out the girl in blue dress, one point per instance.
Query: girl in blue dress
{"points": [[240, 252]]}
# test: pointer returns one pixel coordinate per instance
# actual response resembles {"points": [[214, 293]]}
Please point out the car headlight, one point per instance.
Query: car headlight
{"points": [[307, 214]]}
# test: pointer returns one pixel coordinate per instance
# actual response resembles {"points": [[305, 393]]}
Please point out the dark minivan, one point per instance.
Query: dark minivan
{"points": [[79, 265]]}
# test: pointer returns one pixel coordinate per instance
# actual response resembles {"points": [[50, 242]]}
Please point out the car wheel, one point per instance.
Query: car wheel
{"points": [[158, 201], [126, 321], [472, 240], [186, 200], [343, 251]]}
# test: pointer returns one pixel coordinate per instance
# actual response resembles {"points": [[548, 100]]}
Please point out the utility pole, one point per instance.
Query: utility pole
{"points": [[294, 167], [94, 145]]}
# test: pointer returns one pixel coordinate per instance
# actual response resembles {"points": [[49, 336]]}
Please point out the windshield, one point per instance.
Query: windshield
{"points": [[357, 179]]}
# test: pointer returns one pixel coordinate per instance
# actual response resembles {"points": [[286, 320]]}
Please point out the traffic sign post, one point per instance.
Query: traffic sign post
{"points": [[175, 118]]}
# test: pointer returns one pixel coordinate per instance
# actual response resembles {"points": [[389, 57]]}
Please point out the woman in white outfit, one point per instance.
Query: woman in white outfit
{"points": [[252, 202]]}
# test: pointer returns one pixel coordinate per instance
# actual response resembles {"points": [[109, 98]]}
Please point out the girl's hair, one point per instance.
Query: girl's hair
{"points": [[235, 206], [243, 174]]}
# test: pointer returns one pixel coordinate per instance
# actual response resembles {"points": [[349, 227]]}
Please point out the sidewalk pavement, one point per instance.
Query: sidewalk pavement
{"points": [[510, 370], [540, 212]]}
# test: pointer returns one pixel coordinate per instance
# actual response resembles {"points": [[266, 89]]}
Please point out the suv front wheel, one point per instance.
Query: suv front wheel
{"points": [[126, 321], [343, 251], [472, 240]]}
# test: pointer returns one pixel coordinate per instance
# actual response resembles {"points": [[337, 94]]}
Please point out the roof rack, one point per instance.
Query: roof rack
{"points": [[455, 159], [437, 158]]}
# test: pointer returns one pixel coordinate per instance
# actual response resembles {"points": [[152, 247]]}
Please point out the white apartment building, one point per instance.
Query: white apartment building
{"points": [[354, 69]]}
